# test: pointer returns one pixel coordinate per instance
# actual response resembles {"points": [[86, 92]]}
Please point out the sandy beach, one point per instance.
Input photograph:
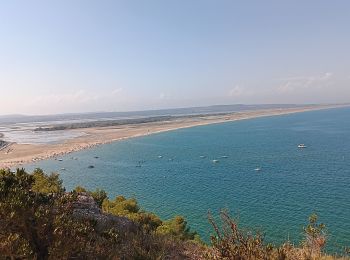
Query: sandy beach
{"points": [[17, 154]]}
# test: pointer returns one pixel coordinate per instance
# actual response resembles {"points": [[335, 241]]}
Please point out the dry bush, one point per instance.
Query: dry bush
{"points": [[231, 242]]}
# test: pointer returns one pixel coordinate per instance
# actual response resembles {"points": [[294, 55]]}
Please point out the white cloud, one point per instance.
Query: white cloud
{"points": [[165, 96], [117, 91], [239, 91], [74, 101], [76, 97], [295, 84]]}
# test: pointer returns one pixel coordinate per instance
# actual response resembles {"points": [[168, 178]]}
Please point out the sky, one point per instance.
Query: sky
{"points": [[65, 56]]}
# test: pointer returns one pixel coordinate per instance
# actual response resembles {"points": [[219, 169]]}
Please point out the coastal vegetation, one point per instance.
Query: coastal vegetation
{"points": [[193, 114], [39, 219], [128, 121]]}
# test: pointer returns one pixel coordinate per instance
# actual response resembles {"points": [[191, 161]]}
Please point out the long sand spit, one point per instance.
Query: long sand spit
{"points": [[16, 154]]}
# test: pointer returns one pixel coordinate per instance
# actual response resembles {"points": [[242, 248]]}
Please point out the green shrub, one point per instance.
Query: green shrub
{"points": [[177, 228], [99, 196], [46, 183]]}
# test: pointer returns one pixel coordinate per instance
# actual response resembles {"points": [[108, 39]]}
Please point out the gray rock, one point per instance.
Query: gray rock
{"points": [[86, 208]]}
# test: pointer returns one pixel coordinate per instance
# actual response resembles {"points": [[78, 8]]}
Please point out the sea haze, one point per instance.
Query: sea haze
{"points": [[173, 173]]}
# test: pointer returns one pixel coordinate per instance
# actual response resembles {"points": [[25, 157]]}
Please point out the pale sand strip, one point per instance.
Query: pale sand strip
{"points": [[17, 154]]}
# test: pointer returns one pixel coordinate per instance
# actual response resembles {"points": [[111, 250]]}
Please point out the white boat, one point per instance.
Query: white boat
{"points": [[257, 169], [224, 156], [302, 146], [215, 161], [160, 156], [202, 156]]}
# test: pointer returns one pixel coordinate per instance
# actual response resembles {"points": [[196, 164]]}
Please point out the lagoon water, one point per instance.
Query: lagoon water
{"points": [[168, 175]]}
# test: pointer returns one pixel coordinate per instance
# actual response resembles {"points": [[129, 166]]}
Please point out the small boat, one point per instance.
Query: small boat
{"points": [[224, 156], [302, 146], [60, 160], [96, 157], [202, 156], [257, 169], [63, 169], [159, 156], [215, 161], [91, 166]]}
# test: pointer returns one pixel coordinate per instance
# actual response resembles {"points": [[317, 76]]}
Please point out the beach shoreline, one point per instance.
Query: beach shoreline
{"points": [[16, 155]]}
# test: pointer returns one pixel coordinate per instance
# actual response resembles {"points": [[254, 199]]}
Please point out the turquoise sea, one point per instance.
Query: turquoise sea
{"points": [[168, 175]]}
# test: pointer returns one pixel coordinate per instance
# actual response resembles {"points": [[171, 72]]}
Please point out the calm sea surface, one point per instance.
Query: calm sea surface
{"points": [[168, 175]]}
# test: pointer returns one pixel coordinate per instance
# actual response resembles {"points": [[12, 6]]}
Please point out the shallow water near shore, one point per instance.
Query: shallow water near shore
{"points": [[173, 173], [24, 133]]}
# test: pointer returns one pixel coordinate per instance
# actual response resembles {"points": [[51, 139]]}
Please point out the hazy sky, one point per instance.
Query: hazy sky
{"points": [[77, 56]]}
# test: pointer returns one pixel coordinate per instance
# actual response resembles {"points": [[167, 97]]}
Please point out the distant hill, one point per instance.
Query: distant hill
{"points": [[7, 119]]}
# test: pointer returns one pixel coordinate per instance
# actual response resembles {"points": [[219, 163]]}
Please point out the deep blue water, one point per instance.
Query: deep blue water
{"points": [[291, 185]]}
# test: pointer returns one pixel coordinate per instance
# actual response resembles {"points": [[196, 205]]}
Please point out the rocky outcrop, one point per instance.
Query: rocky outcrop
{"points": [[3, 144], [85, 207]]}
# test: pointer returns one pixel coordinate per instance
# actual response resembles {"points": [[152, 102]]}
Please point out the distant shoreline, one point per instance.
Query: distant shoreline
{"points": [[15, 155]]}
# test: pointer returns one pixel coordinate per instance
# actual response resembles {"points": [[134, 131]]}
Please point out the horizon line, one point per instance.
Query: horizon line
{"points": [[172, 108]]}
